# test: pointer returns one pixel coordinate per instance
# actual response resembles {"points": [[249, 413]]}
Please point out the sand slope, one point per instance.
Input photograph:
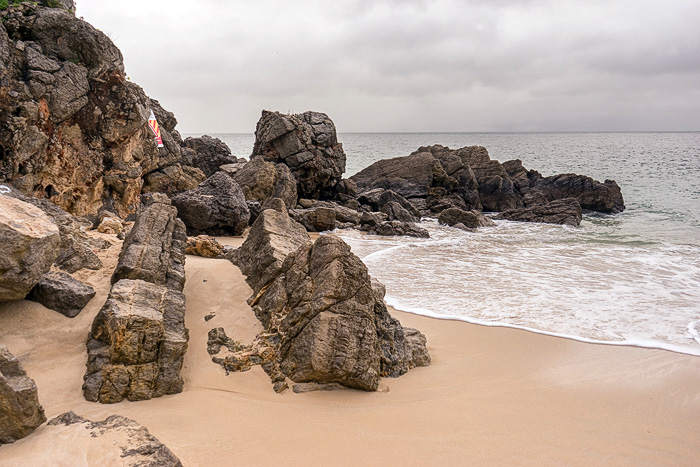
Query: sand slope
{"points": [[492, 395]]}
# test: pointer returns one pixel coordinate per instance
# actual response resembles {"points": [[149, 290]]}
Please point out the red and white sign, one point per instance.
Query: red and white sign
{"points": [[153, 125]]}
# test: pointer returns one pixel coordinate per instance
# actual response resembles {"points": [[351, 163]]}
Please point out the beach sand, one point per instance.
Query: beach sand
{"points": [[491, 396]]}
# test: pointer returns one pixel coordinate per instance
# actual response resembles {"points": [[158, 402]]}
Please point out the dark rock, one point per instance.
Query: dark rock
{"points": [[409, 229], [154, 249], [318, 219], [372, 219], [395, 212], [273, 236], [301, 388], [172, 179], [377, 198], [60, 292], [410, 176], [29, 242], [204, 246], [215, 207], [343, 214], [207, 154], [20, 411], [217, 338], [261, 181], [470, 219], [137, 344], [308, 145], [595, 196], [119, 440], [565, 211]]}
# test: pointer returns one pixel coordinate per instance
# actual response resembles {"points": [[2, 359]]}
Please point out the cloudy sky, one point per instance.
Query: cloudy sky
{"points": [[415, 65]]}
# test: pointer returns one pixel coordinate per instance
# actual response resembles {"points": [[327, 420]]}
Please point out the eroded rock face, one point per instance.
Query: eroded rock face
{"points": [[138, 339], [120, 440], [307, 143], [73, 129], [60, 292], [20, 411], [29, 242], [216, 207]]}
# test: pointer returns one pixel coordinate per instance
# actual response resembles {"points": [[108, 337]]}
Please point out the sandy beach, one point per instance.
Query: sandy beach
{"points": [[491, 396]]}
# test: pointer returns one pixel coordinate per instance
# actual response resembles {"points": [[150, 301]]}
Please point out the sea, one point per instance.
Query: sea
{"points": [[626, 279]]}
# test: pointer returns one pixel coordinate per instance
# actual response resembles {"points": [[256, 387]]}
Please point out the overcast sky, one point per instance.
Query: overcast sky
{"points": [[414, 65]]}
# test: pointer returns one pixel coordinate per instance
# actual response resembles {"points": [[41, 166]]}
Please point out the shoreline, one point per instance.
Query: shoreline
{"points": [[491, 395]]}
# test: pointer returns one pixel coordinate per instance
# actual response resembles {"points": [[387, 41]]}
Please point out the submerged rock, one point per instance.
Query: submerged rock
{"points": [[20, 411], [29, 242], [60, 292]]}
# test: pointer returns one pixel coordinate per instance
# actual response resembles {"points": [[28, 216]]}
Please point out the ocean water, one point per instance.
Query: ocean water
{"points": [[627, 279]]}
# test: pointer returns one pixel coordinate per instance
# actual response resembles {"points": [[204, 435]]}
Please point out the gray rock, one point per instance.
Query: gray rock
{"points": [[470, 219], [137, 344], [154, 249], [216, 207], [377, 198], [601, 197], [207, 154], [416, 348], [318, 219], [119, 440], [30, 243], [60, 292], [565, 211], [261, 181], [308, 145], [410, 176], [392, 228], [395, 212], [20, 411]]}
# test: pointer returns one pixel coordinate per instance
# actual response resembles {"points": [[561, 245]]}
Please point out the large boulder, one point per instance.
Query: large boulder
{"points": [[118, 440], [317, 219], [60, 292], [73, 128], [261, 181], [565, 211], [216, 207], [207, 154], [154, 249], [137, 344], [410, 176], [592, 195], [29, 242], [470, 219], [20, 411], [307, 143]]}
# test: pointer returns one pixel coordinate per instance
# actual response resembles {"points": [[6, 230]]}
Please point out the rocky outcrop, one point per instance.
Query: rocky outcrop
{"points": [[60, 292], [73, 129], [393, 228], [565, 211], [307, 143], [261, 181], [324, 321], [207, 154], [29, 242], [470, 219], [377, 198], [138, 338], [317, 219], [215, 207], [119, 440], [20, 411], [591, 195]]}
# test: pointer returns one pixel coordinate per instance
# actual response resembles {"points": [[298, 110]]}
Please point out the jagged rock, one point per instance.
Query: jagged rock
{"points": [[273, 236], [217, 338], [343, 214], [409, 229], [308, 145], [470, 219], [137, 344], [60, 292], [565, 211], [204, 246], [370, 220], [318, 219], [207, 154], [75, 251], [261, 181], [377, 198], [395, 212], [416, 348], [601, 197], [29, 242], [154, 249], [73, 129], [172, 179], [410, 176], [119, 440], [216, 207], [110, 225], [20, 411]]}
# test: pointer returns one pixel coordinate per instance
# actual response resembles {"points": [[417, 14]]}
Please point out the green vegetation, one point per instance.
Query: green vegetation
{"points": [[5, 3]]}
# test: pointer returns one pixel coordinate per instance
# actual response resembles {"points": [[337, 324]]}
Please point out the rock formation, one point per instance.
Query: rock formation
{"points": [[565, 211], [324, 322], [138, 339], [60, 292], [470, 219], [20, 411], [216, 207], [308, 145], [262, 180], [119, 440], [204, 246], [29, 242], [207, 154], [73, 128]]}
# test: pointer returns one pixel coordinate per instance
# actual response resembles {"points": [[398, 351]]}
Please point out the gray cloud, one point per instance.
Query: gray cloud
{"points": [[419, 65]]}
